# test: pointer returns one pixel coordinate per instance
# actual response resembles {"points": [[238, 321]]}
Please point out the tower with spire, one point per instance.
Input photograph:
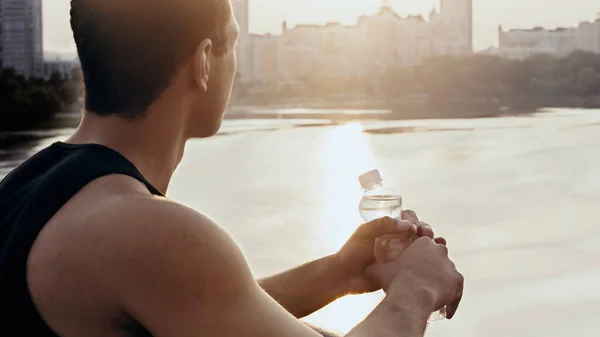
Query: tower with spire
{"points": [[385, 6], [433, 14]]}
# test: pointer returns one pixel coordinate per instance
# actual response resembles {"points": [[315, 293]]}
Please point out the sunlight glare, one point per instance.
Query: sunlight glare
{"points": [[346, 154]]}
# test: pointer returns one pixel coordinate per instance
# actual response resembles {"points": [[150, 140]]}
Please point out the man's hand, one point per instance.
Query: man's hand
{"points": [[424, 230], [427, 281], [312, 286], [357, 255], [425, 267]]}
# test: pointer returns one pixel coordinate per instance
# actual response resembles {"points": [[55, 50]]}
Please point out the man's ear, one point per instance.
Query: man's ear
{"points": [[201, 66]]}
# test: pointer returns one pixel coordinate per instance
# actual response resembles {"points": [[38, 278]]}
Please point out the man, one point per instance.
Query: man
{"points": [[90, 247]]}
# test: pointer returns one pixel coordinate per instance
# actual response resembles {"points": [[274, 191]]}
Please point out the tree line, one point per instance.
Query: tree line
{"points": [[541, 80], [26, 103]]}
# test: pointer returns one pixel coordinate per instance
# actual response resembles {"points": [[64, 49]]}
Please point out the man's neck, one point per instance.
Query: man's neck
{"points": [[153, 144]]}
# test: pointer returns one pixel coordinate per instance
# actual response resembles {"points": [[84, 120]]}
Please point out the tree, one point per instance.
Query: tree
{"points": [[44, 103], [588, 82], [56, 79], [24, 103], [70, 92]]}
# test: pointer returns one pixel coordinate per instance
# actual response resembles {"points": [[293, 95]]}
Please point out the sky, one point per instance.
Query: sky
{"points": [[267, 15]]}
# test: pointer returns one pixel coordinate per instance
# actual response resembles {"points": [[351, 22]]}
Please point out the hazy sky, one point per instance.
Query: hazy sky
{"points": [[267, 15]]}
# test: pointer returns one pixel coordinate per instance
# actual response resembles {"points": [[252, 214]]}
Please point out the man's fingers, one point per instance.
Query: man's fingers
{"points": [[410, 216], [453, 307], [441, 241], [383, 226], [425, 230]]}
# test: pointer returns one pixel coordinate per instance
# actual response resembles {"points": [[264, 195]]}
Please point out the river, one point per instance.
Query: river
{"points": [[518, 199]]}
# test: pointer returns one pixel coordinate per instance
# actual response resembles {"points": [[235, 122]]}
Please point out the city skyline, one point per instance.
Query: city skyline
{"points": [[267, 15], [378, 43]]}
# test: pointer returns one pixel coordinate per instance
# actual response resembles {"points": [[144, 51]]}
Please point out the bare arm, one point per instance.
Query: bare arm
{"points": [[402, 313], [308, 288], [178, 274]]}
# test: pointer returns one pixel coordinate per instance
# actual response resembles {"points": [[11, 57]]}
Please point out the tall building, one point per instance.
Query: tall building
{"points": [[21, 45], [458, 14], [241, 11], [589, 36]]}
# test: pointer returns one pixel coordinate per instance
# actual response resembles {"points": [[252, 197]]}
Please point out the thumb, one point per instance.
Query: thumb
{"points": [[380, 227]]}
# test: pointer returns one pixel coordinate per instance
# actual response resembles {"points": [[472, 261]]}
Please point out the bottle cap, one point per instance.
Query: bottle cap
{"points": [[370, 178]]}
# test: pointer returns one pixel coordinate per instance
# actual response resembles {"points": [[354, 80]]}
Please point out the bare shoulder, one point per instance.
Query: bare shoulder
{"points": [[152, 229], [140, 220], [115, 217], [110, 251], [133, 232], [153, 238], [117, 214]]}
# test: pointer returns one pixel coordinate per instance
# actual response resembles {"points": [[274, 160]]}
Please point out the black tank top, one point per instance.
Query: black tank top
{"points": [[29, 196]]}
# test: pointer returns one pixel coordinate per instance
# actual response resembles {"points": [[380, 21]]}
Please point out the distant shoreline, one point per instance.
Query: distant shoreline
{"points": [[341, 110], [349, 111]]}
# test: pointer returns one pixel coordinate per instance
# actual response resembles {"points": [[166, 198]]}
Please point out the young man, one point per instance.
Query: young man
{"points": [[89, 246]]}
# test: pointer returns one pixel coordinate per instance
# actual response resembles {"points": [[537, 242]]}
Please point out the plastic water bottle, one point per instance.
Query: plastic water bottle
{"points": [[377, 202]]}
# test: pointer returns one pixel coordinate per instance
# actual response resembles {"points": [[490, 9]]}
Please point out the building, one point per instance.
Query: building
{"points": [[522, 43], [21, 40], [263, 54], [307, 50], [64, 67], [458, 15], [241, 10], [373, 45], [588, 38]]}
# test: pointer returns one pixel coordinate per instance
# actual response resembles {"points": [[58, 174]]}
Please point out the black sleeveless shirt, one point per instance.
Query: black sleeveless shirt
{"points": [[29, 196]]}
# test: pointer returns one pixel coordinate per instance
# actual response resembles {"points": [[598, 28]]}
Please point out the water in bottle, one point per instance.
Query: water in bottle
{"points": [[377, 202]]}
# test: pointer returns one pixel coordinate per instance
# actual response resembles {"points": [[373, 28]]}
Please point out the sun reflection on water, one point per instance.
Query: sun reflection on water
{"points": [[346, 154]]}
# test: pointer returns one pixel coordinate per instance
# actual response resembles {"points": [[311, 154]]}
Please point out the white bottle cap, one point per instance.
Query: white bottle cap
{"points": [[370, 179]]}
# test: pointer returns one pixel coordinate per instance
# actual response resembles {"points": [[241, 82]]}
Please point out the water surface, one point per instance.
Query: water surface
{"points": [[518, 199]]}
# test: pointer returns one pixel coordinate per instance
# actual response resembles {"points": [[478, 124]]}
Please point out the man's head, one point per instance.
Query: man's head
{"points": [[133, 52]]}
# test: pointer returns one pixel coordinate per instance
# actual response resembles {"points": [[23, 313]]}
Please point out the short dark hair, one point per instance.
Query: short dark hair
{"points": [[130, 49]]}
